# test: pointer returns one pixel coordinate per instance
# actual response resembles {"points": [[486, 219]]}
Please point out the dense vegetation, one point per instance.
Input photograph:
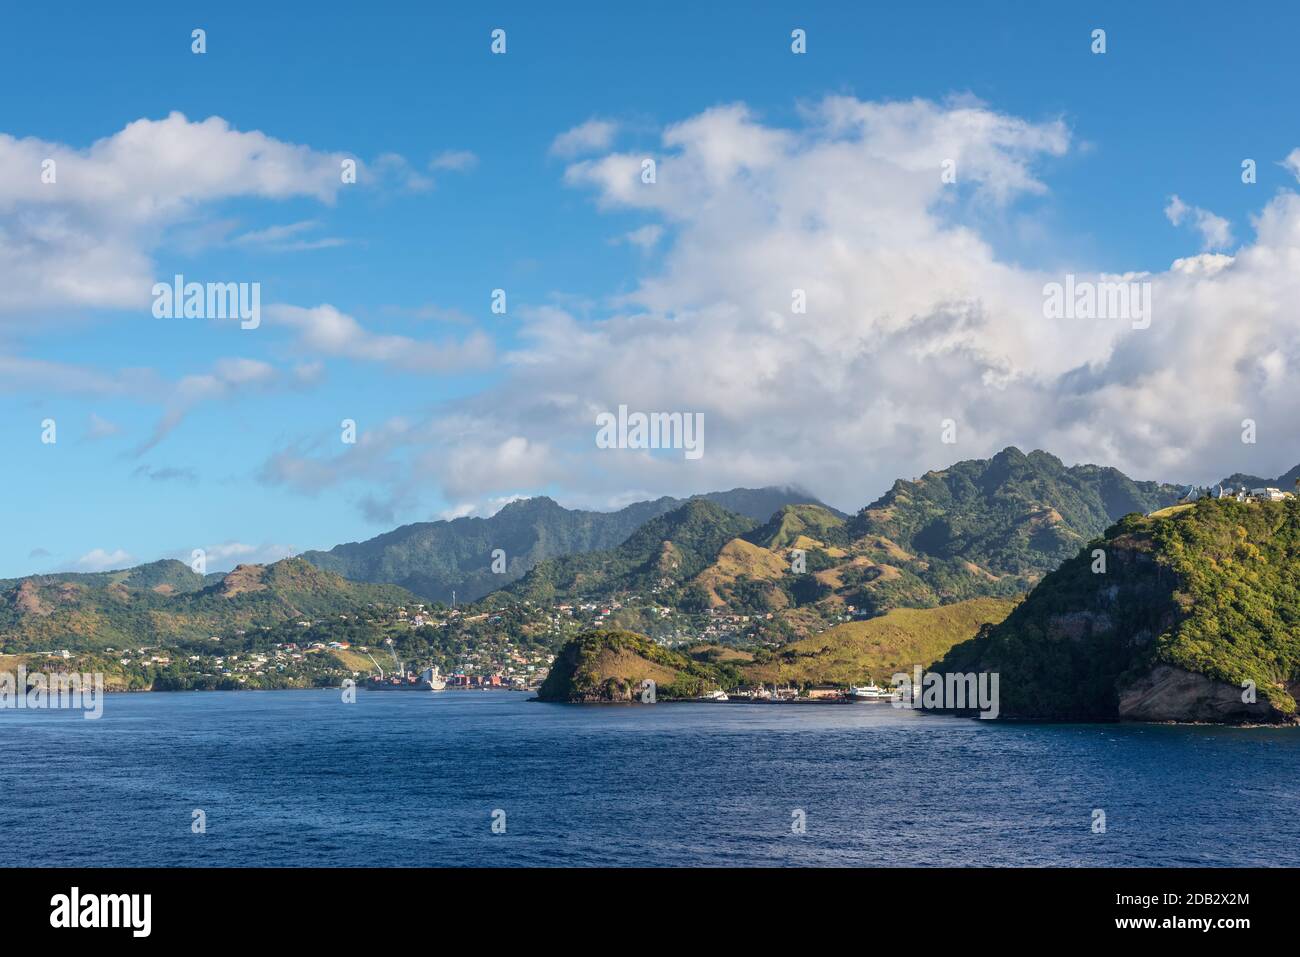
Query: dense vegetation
{"points": [[977, 529], [433, 559], [166, 602], [1238, 567], [607, 666], [1213, 590], [1015, 514], [664, 552]]}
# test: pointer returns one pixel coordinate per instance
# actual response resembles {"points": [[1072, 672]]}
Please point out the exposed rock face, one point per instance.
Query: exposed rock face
{"points": [[1167, 693]]}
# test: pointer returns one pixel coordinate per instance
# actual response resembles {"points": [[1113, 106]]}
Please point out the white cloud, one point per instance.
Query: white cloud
{"points": [[484, 509], [1216, 232], [589, 137], [227, 378], [912, 318], [476, 465], [86, 239], [326, 331], [224, 556], [1292, 162], [23, 374], [288, 237], [100, 560]]}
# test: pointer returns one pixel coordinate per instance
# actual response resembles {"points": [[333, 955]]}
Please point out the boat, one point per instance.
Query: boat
{"points": [[718, 695], [870, 692], [430, 679]]}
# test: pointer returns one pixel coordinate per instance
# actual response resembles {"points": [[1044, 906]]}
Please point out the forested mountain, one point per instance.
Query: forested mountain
{"points": [[1192, 603], [433, 559], [165, 601]]}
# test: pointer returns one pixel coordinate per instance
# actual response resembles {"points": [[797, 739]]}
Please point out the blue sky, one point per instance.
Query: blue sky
{"points": [[463, 191]]}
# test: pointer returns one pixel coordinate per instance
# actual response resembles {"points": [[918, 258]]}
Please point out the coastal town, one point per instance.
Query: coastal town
{"points": [[510, 647]]}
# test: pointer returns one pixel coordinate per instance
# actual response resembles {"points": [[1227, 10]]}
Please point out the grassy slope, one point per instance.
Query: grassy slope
{"points": [[879, 647]]}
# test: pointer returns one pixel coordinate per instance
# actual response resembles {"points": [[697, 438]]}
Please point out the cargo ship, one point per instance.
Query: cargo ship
{"points": [[430, 679]]}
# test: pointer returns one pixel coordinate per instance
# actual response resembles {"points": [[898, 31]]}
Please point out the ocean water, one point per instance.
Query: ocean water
{"points": [[299, 778]]}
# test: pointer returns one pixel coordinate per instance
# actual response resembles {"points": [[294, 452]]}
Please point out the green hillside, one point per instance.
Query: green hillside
{"points": [[877, 648], [981, 528], [1014, 514], [658, 557], [790, 523], [610, 666], [433, 559], [167, 601], [1191, 605]]}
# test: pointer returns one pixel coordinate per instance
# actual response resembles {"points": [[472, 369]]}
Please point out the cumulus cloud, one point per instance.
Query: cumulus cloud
{"points": [[1216, 232], [912, 318], [86, 237]]}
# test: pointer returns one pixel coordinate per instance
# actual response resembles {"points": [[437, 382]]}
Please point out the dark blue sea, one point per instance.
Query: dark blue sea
{"points": [[299, 778]]}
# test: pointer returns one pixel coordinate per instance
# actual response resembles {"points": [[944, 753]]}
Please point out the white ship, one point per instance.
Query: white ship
{"points": [[870, 692], [718, 695], [430, 679]]}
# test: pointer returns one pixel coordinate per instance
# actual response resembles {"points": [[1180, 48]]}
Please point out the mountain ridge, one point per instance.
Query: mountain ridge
{"points": [[168, 601], [433, 559]]}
